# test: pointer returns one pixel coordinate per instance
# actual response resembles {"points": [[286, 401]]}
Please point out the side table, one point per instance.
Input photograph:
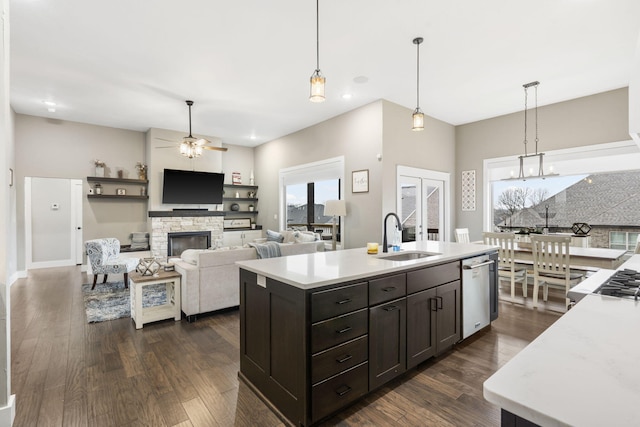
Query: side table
{"points": [[171, 308]]}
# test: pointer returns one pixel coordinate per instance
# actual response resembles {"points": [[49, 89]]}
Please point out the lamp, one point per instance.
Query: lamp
{"points": [[540, 156], [335, 208], [418, 115], [317, 80]]}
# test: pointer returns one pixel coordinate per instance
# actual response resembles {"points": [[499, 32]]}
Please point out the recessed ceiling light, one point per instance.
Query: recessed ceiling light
{"points": [[346, 96], [51, 110], [252, 137], [49, 103]]}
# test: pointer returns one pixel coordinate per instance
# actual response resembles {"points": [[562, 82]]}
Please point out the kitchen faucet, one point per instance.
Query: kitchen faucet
{"points": [[398, 226]]}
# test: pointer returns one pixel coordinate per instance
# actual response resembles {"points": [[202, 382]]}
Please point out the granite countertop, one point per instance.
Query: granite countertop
{"points": [[581, 371], [325, 268]]}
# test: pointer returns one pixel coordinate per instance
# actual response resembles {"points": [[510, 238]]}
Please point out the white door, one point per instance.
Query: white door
{"points": [[53, 222], [423, 204]]}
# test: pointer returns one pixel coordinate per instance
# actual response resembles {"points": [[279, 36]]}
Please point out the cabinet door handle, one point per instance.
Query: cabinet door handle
{"points": [[389, 289], [343, 390], [391, 308], [433, 305], [344, 358], [343, 330], [344, 301], [439, 303]]}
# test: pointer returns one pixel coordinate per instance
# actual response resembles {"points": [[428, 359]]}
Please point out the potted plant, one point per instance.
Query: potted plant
{"points": [[251, 207], [100, 165], [142, 170]]}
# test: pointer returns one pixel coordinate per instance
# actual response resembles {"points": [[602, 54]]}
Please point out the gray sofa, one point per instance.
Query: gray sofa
{"points": [[210, 278]]}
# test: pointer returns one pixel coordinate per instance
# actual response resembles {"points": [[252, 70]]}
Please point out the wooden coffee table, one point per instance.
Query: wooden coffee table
{"points": [[171, 308]]}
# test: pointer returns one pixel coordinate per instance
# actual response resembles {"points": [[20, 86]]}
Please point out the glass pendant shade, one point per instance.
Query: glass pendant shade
{"points": [[317, 87], [418, 120]]}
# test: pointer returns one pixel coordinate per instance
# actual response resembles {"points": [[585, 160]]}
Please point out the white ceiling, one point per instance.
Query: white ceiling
{"points": [[246, 64]]}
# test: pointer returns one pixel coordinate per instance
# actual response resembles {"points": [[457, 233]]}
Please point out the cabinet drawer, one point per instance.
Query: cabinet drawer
{"points": [[338, 359], [337, 301], [338, 330], [337, 392], [387, 288], [429, 277]]}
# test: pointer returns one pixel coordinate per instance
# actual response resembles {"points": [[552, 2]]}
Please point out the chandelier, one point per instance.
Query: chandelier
{"points": [[526, 155]]}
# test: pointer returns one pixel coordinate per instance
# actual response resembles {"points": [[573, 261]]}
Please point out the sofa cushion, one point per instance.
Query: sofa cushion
{"points": [[274, 236]]}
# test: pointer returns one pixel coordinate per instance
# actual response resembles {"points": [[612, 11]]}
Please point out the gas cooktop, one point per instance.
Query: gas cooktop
{"points": [[623, 283]]}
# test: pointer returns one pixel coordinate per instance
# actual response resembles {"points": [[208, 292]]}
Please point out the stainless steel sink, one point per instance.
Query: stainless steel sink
{"points": [[407, 256]]}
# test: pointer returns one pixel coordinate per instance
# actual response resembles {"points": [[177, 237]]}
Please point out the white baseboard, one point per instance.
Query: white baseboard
{"points": [[8, 413]]}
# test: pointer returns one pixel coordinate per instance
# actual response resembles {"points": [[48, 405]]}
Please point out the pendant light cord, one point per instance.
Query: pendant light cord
{"points": [[317, 35], [418, 77], [525, 120], [536, 93]]}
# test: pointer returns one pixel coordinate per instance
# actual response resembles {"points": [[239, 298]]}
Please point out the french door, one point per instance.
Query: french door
{"points": [[422, 205]]}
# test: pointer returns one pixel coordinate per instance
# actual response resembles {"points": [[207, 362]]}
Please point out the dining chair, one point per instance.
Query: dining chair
{"points": [[551, 266], [461, 235], [104, 256], [507, 267]]}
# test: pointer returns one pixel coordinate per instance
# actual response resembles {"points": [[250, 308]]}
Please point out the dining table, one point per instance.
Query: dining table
{"points": [[579, 257]]}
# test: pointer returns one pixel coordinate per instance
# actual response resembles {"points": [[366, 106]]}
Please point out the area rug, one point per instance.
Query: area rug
{"points": [[109, 301]]}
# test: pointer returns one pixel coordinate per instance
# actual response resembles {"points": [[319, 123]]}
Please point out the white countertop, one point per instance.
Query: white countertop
{"points": [[582, 371], [325, 268]]}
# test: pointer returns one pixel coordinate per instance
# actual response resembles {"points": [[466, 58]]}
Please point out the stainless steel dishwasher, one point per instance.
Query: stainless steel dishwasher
{"points": [[475, 294]]}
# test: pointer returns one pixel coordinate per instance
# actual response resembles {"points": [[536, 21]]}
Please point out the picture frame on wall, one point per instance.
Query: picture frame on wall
{"points": [[360, 181]]}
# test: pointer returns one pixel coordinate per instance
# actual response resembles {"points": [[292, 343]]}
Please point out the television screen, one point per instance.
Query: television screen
{"points": [[191, 187]]}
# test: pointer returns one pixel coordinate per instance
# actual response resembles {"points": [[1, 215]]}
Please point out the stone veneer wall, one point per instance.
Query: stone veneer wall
{"points": [[162, 226]]}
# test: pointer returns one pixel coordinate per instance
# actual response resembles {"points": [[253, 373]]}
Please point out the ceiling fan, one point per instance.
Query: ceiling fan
{"points": [[191, 146]]}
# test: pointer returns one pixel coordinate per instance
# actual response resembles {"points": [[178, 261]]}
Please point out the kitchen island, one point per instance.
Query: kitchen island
{"points": [[319, 331], [579, 372]]}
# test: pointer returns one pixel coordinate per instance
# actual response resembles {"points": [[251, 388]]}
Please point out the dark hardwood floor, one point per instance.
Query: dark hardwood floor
{"points": [[66, 372]]}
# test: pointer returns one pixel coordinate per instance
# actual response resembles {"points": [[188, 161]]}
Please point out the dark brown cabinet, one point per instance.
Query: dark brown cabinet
{"points": [[421, 327], [387, 342], [433, 311], [312, 352]]}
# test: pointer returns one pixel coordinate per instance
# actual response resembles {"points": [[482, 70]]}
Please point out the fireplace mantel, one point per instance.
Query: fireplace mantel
{"points": [[184, 213]]}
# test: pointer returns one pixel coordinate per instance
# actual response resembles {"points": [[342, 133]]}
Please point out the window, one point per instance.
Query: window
{"points": [[304, 191], [598, 187], [305, 205], [623, 240]]}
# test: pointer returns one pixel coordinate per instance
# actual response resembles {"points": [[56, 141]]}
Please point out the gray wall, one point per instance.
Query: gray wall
{"points": [[61, 149], [356, 135], [360, 135], [433, 148], [579, 122]]}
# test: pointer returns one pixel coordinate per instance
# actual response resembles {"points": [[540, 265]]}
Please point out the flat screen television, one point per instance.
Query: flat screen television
{"points": [[192, 187]]}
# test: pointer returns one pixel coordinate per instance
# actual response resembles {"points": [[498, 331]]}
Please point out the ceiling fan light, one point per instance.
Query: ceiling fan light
{"points": [[418, 120], [198, 150], [184, 149], [317, 87]]}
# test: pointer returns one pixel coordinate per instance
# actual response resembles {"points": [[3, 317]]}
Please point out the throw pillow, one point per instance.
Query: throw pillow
{"points": [[274, 236], [304, 236]]}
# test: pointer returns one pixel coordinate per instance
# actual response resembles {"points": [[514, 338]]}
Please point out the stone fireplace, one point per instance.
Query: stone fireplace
{"points": [[185, 222]]}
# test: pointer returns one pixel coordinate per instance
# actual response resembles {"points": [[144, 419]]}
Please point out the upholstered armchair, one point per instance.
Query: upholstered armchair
{"points": [[103, 254]]}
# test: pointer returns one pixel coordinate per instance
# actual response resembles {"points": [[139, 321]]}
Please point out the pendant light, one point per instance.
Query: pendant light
{"points": [[317, 80], [540, 156], [418, 115]]}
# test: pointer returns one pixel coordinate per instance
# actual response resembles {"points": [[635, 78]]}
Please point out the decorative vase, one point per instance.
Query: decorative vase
{"points": [[142, 175], [148, 266], [100, 171]]}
